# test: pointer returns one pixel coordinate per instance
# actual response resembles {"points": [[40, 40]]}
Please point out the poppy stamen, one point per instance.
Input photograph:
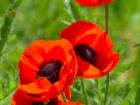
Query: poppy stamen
{"points": [[86, 53], [50, 70]]}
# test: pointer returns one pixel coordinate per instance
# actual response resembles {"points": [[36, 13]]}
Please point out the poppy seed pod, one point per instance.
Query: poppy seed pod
{"points": [[93, 47]]}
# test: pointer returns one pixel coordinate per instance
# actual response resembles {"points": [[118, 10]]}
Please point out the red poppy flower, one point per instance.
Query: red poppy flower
{"points": [[93, 48], [93, 2], [20, 99], [47, 68]]}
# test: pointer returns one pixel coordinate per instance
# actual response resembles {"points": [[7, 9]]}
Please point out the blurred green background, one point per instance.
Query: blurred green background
{"points": [[44, 19]]}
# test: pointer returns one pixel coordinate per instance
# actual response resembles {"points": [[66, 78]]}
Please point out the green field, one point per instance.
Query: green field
{"points": [[32, 20]]}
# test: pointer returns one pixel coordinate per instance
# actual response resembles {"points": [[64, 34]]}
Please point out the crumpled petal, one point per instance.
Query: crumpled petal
{"points": [[19, 99]]}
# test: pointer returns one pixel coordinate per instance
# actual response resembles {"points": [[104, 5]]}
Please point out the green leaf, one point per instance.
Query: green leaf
{"points": [[76, 10], [5, 31], [8, 85], [137, 82]]}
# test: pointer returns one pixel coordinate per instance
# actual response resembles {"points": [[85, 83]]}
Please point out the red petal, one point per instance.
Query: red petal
{"points": [[93, 72], [20, 99], [68, 93], [93, 2], [103, 46], [73, 103], [80, 29], [29, 62], [40, 86]]}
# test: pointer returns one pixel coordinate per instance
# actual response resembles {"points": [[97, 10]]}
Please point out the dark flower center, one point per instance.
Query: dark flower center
{"points": [[53, 102], [86, 53], [50, 70], [37, 103], [50, 102]]}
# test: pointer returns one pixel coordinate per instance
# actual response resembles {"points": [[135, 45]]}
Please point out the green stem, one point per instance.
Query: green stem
{"points": [[84, 91], [107, 88], [64, 98], [106, 17], [107, 76]]}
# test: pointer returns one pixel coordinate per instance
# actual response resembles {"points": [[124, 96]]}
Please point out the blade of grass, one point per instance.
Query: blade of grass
{"points": [[137, 98], [99, 85], [2, 102], [84, 91], [137, 82]]}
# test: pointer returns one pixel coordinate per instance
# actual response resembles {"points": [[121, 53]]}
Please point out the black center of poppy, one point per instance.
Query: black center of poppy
{"points": [[50, 102], [86, 53], [37, 103], [50, 70]]}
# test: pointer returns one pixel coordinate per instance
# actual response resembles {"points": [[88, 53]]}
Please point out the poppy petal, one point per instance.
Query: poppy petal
{"points": [[80, 29], [104, 47], [40, 86], [54, 91], [93, 72], [20, 99], [73, 103], [29, 62], [113, 62], [93, 2], [68, 94]]}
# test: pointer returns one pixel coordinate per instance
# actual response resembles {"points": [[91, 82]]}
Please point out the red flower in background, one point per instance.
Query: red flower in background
{"points": [[47, 68], [93, 2], [20, 99], [93, 48]]}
